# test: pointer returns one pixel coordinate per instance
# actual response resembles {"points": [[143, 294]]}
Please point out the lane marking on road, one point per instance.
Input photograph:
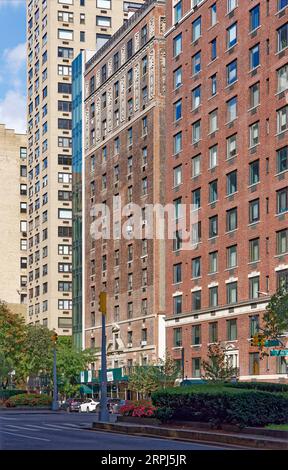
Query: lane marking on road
{"points": [[25, 428], [26, 437], [8, 419]]}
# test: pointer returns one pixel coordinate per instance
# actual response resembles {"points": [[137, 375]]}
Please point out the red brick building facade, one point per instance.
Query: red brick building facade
{"points": [[124, 158], [227, 128]]}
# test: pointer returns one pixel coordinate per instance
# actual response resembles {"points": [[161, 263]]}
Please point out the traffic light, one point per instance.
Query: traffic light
{"points": [[103, 302], [54, 338], [258, 340]]}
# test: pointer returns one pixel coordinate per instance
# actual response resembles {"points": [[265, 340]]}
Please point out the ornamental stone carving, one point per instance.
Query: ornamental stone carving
{"points": [[123, 55], [151, 27], [162, 26], [162, 71], [109, 109], [109, 67], [122, 99], [151, 69], [98, 119], [137, 41], [98, 79], [136, 87]]}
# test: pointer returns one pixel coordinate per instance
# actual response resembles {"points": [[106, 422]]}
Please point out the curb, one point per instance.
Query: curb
{"points": [[244, 441]]}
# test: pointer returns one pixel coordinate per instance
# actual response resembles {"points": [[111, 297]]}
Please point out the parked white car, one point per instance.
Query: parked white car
{"points": [[88, 405]]}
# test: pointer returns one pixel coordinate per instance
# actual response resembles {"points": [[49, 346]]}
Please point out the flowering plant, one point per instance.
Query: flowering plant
{"points": [[138, 410]]}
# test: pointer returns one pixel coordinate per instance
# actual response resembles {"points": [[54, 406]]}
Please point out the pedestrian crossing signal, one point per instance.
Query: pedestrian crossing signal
{"points": [[258, 340], [54, 338]]}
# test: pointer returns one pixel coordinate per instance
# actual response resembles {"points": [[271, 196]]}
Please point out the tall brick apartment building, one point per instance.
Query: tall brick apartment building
{"points": [[227, 154], [124, 155]]}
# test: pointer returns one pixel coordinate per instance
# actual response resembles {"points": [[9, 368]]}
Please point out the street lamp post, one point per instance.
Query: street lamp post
{"points": [[104, 414], [55, 404]]}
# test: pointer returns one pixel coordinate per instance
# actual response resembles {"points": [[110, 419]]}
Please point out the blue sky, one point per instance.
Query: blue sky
{"points": [[12, 64]]}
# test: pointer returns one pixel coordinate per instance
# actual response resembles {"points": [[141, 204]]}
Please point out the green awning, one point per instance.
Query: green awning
{"points": [[85, 390]]}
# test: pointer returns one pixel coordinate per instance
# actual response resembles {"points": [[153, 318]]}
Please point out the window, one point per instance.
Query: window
{"points": [[144, 63], [130, 77], [65, 106], [64, 267], [64, 286], [177, 304], [232, 35], [177, 175], [213, 44], [232, 109], [65, 178], [196, 300], [196, 29], [282, 34], [196, 335], [231, 330], [231, 72], [255, 95], [177, 337], [177, 77], [196, 267], [213, 191], [213, 14], [254, 134], [129, 48], [65, 34], [282, 200], [144, 35], [231, 182], [104, 21], [213, 80], [104, 4], [254, 363], [196, 131], [282, 119], [254, 176], [64, 249], [177, 240], [65, 305], [177, 139], [196, 367], [254, 286], [231, 256], [213, 262], [231, 4], [196, 233], [254, 17], [196, 97], [196, 166], [177, 45], [177, 208], [101, 39], [213, 296], [281, 365], [282, 242], [254, 56], [232, 146], [254, 250], [282, 280], [254, 211], [196, 199], [282, 78], [178, 110], [231, 292], [177, 11], [231, 219], [213, 121], [196, 63], [213, 156], [213, 332], [65, 214], [177, 273], [254, 325]]}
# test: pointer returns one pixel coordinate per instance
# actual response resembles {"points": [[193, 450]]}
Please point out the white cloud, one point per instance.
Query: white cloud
{"points": [[14, 59], [13, 110]]}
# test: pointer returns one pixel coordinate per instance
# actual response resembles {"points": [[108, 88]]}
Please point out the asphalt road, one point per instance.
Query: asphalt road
{"points": [[65, 431]]}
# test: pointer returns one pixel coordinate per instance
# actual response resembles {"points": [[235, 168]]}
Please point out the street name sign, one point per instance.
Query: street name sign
{"points": [[271, 342], [279, 352]]}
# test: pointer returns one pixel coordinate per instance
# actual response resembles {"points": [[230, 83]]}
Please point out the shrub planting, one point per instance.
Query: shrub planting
{"points": [[219, 405], [263, 386], [5, 394], [30, 400]]}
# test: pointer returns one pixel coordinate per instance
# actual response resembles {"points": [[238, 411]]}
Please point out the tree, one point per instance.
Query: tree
{"points": [[148, 379], [276, 315], [217, 368], [37, 355], [70, 362], [12, 338]]}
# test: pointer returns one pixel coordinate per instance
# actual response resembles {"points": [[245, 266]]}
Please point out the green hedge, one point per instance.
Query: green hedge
{"points": [[5, 394], [30, 400], [263, 386], [219, 405]]}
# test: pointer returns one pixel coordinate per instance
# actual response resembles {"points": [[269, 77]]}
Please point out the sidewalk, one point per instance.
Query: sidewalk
{"points": [[216, 437]]}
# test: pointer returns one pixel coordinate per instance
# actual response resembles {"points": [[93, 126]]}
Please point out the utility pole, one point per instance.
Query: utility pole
{"points": [[55, 404], [104, 413]]}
